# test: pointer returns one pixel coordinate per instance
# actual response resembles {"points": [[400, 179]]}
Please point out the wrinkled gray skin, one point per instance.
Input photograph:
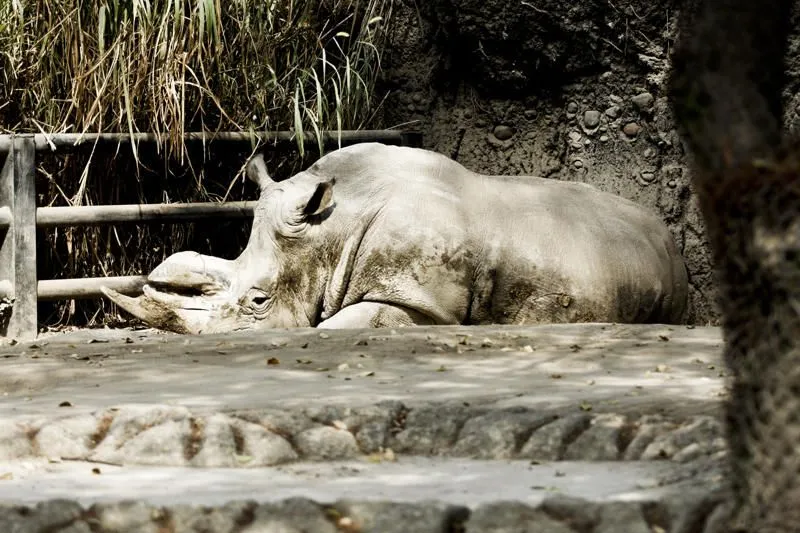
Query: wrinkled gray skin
{"points": [[385, 236]]}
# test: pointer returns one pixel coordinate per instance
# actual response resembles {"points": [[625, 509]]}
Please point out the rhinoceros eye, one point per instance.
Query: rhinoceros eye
{"points": [[258, 300]]}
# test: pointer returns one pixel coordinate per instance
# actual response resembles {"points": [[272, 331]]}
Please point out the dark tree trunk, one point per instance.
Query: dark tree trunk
{"points": [[726, 85]]}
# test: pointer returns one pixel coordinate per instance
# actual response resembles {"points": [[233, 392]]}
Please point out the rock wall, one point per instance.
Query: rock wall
{"points": [[567, 90]]}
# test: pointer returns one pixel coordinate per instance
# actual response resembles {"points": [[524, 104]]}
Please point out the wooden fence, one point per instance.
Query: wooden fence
{"points": [[19, 215]]}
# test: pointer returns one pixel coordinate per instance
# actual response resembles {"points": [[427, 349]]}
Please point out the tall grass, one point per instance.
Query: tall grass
{"points": [[171, 66]]}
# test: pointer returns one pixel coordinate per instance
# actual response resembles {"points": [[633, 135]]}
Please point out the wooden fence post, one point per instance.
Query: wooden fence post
{"points": [[18, 249]]}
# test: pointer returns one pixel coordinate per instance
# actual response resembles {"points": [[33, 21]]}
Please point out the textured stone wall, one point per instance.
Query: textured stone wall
{"points": [[567, 90]]}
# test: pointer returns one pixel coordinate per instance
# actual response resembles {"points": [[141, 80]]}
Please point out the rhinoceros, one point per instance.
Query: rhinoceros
{"points": [[386, 236]]}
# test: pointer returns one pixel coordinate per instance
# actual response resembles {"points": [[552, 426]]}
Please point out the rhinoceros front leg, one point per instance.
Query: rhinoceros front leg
{"points": [[375, 315]]}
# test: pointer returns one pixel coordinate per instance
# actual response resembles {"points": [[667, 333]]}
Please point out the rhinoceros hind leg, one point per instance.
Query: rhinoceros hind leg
{"points": [[375, 315]]}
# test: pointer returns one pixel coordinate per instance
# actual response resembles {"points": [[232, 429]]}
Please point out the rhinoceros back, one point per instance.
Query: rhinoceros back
{"points": [[524, 249]]}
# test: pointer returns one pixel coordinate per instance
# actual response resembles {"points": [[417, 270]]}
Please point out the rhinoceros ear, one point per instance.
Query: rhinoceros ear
{"points": [[320, 200], [257, 172], [304, 202]]}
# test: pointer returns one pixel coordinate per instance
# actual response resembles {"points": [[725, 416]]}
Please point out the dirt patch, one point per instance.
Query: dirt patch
{"points": [[194, 440], [103, 427]]}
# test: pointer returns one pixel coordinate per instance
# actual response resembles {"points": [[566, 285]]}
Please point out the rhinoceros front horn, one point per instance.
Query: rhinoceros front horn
{"points": [[183, 294], [151, 312]]}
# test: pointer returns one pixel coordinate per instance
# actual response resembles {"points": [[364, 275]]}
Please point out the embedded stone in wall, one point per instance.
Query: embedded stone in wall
{"points": [[643, 101]]}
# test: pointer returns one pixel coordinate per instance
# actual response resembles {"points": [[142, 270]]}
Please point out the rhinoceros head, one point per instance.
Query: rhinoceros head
{"points": [[277, 281]]}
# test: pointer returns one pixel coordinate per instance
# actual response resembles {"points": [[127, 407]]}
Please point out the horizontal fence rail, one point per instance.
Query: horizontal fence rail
{"points": [[19, 215], [91, 215], [87, 288], [65, 142]]}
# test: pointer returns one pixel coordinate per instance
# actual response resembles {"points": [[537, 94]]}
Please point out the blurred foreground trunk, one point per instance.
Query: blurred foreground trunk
{"points": [[726, 84]]}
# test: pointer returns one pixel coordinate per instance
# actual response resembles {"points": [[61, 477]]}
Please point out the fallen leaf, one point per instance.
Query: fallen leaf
{"points": [[586, 406], [556, 376], [575, 348], [663, 338], [304, 346], [65, 404], [96, 471], [273, 361], [441, 369]]}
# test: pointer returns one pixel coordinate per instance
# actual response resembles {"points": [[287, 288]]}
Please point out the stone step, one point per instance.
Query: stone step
{"points": [[410, 494], [174, 436]]}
